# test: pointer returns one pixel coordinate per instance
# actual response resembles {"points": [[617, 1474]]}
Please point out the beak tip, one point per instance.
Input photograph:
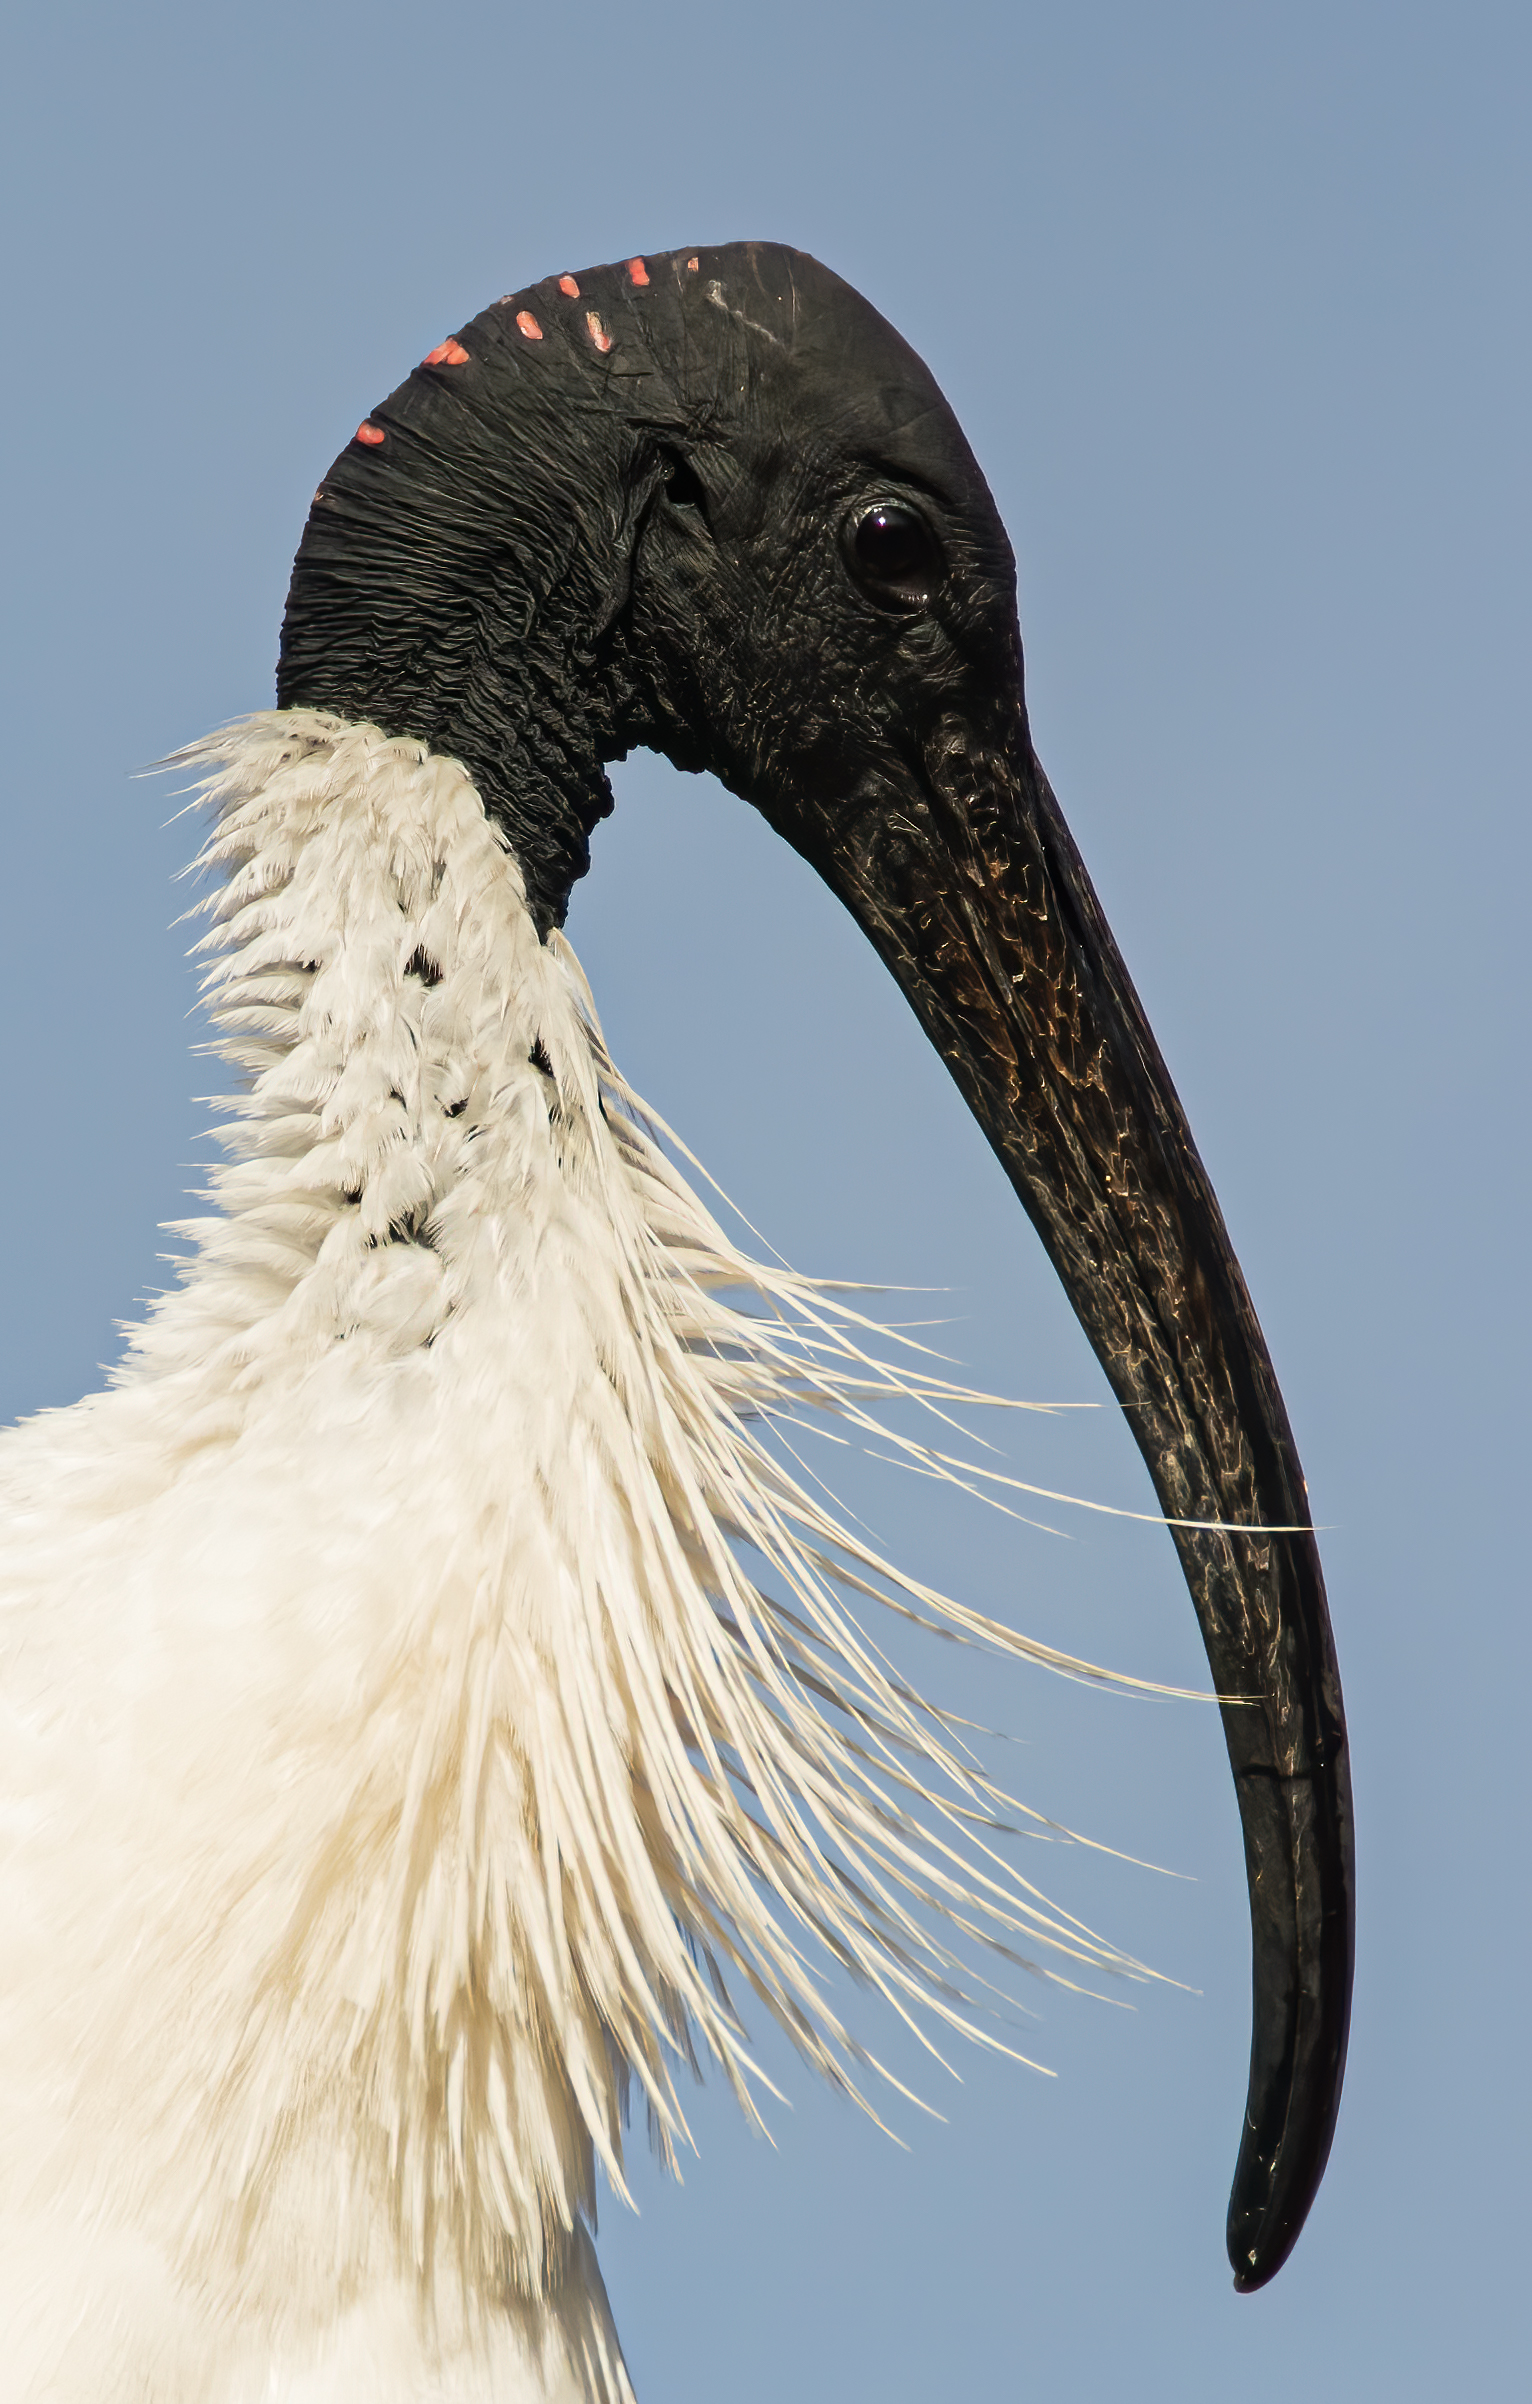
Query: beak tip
{"points": [[1262, 2232], [1251, 2272], [1256, 2265]]}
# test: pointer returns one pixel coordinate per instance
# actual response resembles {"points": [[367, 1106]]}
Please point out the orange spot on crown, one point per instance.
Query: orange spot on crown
{"points": [[691, 266], [446, 354], [529, 325], [638, 271], [568, 284], [598, 333], [367, 432]]}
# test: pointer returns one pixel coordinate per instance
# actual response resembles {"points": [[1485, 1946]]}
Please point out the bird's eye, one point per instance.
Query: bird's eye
{"points": [[894, 555], [683, 486]]}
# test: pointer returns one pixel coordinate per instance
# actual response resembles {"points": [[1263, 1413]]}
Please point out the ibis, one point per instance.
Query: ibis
{"points": [[439, 1712]]}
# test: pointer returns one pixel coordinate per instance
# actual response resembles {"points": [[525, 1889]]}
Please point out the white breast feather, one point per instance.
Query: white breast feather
{"points": [[398, 1758]]}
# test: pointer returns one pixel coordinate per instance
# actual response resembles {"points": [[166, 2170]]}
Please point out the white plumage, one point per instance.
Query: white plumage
{"points": [[398, 1758]]}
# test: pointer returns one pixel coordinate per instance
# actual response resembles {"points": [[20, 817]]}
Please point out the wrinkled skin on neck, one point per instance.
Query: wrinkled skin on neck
{"points": [[634, 513]]}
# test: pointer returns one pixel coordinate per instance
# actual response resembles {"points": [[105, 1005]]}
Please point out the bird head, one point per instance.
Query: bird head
{"points": [[712, 503]]}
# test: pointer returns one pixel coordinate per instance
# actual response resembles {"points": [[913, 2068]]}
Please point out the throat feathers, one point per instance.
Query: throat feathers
{"points": [[467, 1772]]}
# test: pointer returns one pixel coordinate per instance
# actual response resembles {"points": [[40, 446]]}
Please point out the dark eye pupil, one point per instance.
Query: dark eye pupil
{"points": [[894, 555]]}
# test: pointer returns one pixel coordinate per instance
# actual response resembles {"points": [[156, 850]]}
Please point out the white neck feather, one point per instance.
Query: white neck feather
{"points": [[436, 1754]]}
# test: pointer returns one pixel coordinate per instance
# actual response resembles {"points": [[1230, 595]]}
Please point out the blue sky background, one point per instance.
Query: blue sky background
{"points": [[1233, 303]]}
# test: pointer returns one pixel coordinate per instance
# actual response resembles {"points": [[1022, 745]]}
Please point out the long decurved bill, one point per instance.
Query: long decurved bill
{"points": [[969, 885]]}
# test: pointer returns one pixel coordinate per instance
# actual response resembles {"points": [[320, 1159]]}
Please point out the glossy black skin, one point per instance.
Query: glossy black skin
{"points": [[559, 551]]}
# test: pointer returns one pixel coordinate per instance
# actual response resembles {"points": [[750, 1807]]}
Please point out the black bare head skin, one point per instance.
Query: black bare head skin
{"points": [[712, 503], [724, 513]]}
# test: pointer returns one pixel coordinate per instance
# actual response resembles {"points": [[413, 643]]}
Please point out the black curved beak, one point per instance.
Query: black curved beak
{"points": [[965, 878]]}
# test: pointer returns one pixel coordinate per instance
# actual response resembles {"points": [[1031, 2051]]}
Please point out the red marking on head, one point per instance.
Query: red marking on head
{"points": [[436, 358], [369, 433], [529, 325], [598, 333], [456, 355], [691, 266], [568, 284], [638, 271]]}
